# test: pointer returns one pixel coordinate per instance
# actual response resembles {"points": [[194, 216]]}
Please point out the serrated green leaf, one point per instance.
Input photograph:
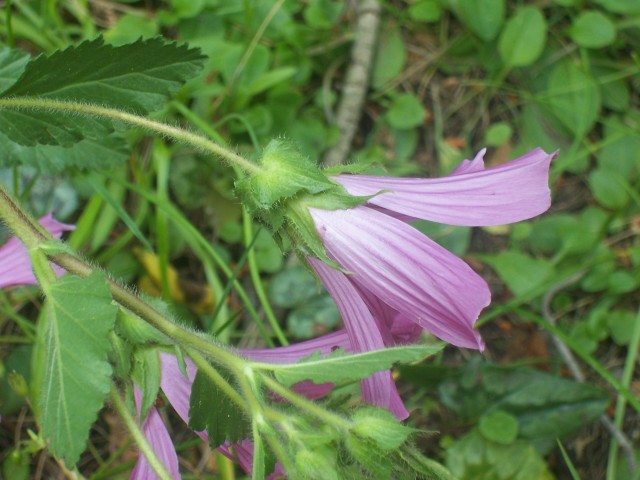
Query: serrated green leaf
{"points": [[77, 375], [340, 367], [12, 64], [137, 77], [87, 154], [212, 410]]}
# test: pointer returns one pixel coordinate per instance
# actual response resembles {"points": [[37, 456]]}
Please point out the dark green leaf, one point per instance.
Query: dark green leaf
{"points": [[546, 406], [77, 375], [340, 367], [87, 154], [12, 64], [138, 77], [212, 410], [474, 458]]}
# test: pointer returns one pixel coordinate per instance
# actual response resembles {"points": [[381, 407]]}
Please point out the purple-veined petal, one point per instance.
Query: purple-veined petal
{"points": [[407, 271], [471, 196], [156, 433], [294, 352], [15, 265], [177, 387], [378, 389]]}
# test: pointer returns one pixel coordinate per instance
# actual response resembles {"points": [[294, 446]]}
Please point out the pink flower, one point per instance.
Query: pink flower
{"points": [[400, 272], [15, 265], [154, 429], [177, 387]]}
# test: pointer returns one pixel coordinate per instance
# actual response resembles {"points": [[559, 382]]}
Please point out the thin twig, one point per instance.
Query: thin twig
{"points": [[357, 80], [569, 359]]}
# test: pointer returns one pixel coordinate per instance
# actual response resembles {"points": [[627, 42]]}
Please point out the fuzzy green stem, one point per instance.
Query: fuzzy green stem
{"points": [[329, 418], [26, 228], [178, 134], [145, 448]]}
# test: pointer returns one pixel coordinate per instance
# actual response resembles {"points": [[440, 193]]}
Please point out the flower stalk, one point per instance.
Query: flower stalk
{"points": [[175, 133]]}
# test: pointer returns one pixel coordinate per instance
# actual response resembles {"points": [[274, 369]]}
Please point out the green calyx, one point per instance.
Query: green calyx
{"points": [[281, 194]]}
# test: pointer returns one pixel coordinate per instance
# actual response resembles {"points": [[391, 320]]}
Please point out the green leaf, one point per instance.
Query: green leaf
{"points": [[428, 11], [390, 57], [593, 30], [482, 17], [546, 406], [211, 409], [498, 134], [87, 154], [77, 375], [292, 286], [523, 37], [520, 272], [499, 426], [474, 458], [573, 97], [620, 6], [406, 112], [12, 64], [138, 77], [609, 188], [340, 367]]}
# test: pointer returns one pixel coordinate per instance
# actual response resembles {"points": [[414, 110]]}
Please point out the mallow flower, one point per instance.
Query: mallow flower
{"points": [[177, 388], [359, 225], [15, 265]]}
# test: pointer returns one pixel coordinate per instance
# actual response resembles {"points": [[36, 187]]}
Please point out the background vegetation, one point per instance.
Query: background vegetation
{"points": [[554, 395]]}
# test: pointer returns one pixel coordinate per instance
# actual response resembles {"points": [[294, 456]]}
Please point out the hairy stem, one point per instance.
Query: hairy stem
{"points": [[175, 133]]}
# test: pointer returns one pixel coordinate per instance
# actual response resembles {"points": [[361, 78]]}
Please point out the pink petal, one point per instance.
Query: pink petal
{"points": [[294, 352], [15, 265], [156, 433], [378, 389], [470, 196], [407, 271]]}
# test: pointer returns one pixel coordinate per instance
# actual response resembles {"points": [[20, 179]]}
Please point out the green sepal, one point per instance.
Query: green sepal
{"points": [[146, 374], [137, 331], [285, 172], [281, 195], [120, 356], [380, 426]]}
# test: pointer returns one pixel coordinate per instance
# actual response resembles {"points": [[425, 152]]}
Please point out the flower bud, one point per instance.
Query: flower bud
{"points": [[280, 195]]}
